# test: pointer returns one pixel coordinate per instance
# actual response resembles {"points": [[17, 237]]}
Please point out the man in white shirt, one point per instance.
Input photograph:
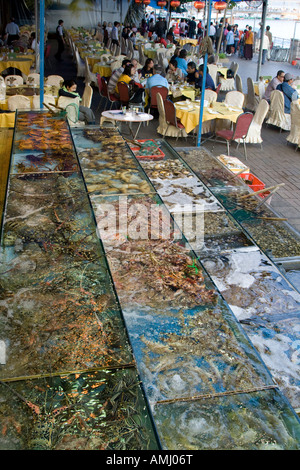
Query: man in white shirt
{"points": [[212, 32], [273, 84], [12, 31]]}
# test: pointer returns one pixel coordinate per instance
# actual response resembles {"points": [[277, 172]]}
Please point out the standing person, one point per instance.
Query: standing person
{"points": [[192, 28], [60, 40], [249, 40], [212, 33], [242, 44], [265, 47], [115, 33], [236, 37], [199, 29], [12, 31], [230, 41], [270, 37]]}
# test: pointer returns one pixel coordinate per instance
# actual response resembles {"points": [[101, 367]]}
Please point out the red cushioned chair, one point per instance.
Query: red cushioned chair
{"points": [[218, 88], [154, 90], [240, 132], [110, 97], [171, 118]]}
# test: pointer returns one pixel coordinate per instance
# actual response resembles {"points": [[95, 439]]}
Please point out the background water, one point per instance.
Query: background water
{"points": [[279, 28]]}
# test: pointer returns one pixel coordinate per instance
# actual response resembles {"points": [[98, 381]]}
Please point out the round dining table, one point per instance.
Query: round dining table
{"points": [[129, 117]]}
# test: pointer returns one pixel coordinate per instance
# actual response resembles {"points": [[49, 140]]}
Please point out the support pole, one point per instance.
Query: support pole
{"points": [[42, 50], [263, 27], [203, 79]]}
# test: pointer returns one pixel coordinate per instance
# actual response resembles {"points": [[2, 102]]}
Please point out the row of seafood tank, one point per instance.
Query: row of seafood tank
{"points": [[157, 246], [115, 334]]}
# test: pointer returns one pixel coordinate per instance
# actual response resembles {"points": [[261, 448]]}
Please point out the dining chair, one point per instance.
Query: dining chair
{"points": [[125, 96], [251, 100], [13, 80], [33, 79], [71, 106], [55, 80], [277, 117], [79, 64], [18, 102], [47, 56], [294, 135], [111, 97], [213, 72], [172, 120], [48, 100], [238, 83], [235, 98], [90, 77], [153, 93], [87, 96], [218, 88], [254, 132], [228, 84], [239, 133]]}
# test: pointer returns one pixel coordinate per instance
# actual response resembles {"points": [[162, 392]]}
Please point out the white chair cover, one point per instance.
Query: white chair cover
{"points": [[235, 98], [238, 83], [252, 100], [18, 102], [87, 96], [71, 105], [254, 132], [79, 64], [13, 80], [213, 71], [277, 116], [33, 78], [55, 80], [90, 77], [210, 96], [294, 135], [48, 99], [228, 84], [162, 123]]}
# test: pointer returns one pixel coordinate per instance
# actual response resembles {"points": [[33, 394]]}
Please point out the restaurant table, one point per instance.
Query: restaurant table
{"points": [[103, 70], [129, 117], [189, 113], [183, 90], [150, 53], [184, 41], [21, 64], [7, 119]]}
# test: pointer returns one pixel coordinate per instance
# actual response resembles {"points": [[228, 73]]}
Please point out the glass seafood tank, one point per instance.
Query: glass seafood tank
{"points": [[116, 333]]}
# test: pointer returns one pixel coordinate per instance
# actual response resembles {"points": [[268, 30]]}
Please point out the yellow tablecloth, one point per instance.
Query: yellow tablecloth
{"points": [[7, 119], [103, 70], [223, 71], [21, 64], [189, 92], [92, 60], [184, 41], [150, 53], [190, 116]]}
